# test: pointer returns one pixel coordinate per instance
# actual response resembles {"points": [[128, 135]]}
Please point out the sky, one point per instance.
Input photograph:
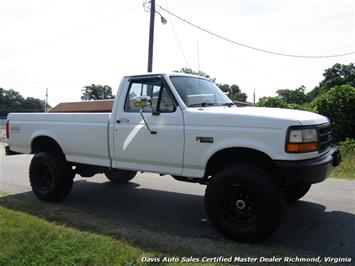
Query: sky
{"points": [[65, 45]]}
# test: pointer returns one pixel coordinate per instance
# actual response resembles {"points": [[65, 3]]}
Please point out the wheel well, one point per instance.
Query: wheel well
{"points": [[45, 144], [230, 156]]}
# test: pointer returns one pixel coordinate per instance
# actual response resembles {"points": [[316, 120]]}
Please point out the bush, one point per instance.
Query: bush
{"points": [[281, 103], [338, 104], [303, 107], [347, 167], [272, 102], [347, 146]]}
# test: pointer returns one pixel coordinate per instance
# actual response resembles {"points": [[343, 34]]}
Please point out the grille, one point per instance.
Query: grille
{"points": [[325, 137]]}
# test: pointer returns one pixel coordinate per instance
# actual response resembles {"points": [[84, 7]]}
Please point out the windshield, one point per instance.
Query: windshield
{"points": [[197, 92]]}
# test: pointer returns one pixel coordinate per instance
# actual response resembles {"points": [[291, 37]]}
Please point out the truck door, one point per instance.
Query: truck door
{"points": [[134, 146]]}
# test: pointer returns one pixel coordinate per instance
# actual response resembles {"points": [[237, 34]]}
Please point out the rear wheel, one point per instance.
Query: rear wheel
{"points": [[120, 176], [50, 176], [244, 202], [296, 191]]}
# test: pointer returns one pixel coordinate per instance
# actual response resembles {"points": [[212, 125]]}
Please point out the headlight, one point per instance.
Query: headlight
{"points": [[302, 140]]}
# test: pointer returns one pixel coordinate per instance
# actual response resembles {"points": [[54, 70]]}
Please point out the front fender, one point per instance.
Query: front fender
{"points": [[257, 145]]}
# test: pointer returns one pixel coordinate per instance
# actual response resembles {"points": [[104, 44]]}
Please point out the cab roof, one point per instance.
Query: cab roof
{"points": [[154, 74]]}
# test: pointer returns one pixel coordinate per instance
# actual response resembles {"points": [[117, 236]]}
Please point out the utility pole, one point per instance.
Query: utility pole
{"points": [[151, 36], [46, 102], [198, 58], [254, 97]]}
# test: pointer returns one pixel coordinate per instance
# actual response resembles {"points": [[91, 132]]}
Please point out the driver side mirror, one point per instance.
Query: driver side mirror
{"points": [[142, 101], [227, 93]]}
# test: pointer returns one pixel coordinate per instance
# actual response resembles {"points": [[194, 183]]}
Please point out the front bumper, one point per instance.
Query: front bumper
{"points": [[310, 171]]}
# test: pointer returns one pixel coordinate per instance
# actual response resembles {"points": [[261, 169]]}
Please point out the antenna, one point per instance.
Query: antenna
{"points": [[198, 66]]}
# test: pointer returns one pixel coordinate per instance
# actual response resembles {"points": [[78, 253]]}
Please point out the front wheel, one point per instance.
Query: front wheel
{"points": [[296, 191], [244, 203], [120, 176], [50, 176]]}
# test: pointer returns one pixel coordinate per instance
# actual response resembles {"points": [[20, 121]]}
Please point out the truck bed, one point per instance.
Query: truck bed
{"points": [[83, 137]]}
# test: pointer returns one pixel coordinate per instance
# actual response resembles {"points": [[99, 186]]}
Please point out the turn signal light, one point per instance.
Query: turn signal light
{"points": [[302, 147]]}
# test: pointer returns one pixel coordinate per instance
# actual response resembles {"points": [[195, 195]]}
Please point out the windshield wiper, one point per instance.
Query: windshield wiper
{"points": [[228, 104], [203, 104]]}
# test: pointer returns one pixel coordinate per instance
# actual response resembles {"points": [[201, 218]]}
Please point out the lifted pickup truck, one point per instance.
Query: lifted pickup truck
{"points": [[252, 159]]}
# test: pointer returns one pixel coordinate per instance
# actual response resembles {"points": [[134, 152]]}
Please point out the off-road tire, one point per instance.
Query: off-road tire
{"points": [[238, 187], [296, 191], [119, 176], [50, 176]]}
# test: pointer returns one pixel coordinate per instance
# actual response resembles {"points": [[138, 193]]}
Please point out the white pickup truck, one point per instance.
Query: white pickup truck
{"points": [[252, 159]]}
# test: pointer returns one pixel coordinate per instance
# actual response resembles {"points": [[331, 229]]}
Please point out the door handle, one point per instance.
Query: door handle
{"points": [[122, 120]]}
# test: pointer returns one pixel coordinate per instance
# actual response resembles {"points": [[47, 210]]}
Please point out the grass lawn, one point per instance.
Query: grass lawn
{"points": [[346, 169], [28, 240]]}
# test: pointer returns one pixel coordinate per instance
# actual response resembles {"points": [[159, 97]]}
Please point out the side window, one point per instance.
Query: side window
{"points": [[160, 99], [166, 103]]}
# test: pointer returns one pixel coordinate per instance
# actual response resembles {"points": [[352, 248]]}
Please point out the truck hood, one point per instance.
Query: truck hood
{"points": [[304, 117], [260, 116]]}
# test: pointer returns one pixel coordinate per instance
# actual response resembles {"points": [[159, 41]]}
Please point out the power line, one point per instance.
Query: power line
{"points": [[64, 36], [177, 38], [253, 47]]}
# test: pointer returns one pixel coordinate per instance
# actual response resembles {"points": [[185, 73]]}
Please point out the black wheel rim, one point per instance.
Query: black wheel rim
{"points": [[239, 204], [44, 179]]}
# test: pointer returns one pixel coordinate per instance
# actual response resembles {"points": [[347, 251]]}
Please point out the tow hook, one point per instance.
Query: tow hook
{"points": [[336, 158]]}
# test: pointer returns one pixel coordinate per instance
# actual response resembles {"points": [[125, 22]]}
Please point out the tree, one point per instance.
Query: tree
{"points": [[338, 74], [234, 92], [97, 92], [296, 96], [33, 105], [338, 104], [12, 101], [272, 102]]}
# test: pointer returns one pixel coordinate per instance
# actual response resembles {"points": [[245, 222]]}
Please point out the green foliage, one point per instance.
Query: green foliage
{"points": [[338, 74], [303, 107], [97, 92], [347, 147], [272, 102], [281, 103], [13, 101], [347, 167], [338, 104], [296, 96], [234, 92], [314, 93]]}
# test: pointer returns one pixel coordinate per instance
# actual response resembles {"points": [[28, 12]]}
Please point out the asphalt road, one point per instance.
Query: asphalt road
{"points": [[322, 223]]}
